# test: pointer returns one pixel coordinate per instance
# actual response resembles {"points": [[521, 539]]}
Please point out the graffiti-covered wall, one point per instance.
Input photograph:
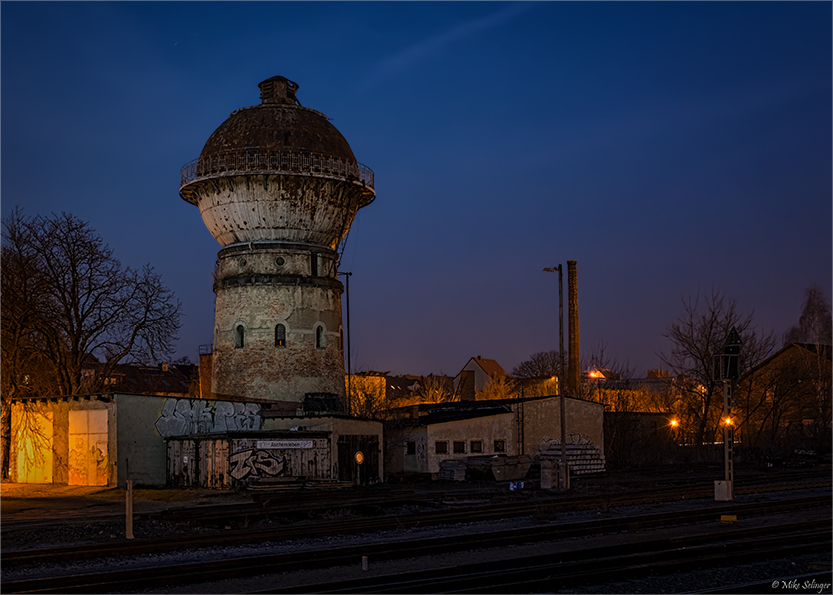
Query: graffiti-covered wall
{"points": [[296, 456], [234, 459], [182, 417], [147, 421], [107, 439]]}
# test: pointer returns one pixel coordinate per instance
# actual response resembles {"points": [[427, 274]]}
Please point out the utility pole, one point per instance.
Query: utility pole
{"points": [[563, 472], [347, 294]]}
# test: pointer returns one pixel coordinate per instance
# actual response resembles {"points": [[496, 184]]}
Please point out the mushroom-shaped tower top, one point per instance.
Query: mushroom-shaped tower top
{"points": [[277, 172], [279, 123]]}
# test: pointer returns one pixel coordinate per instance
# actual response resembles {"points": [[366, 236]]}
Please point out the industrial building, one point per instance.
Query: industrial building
{"points": [[278, 187], [157, 440], [421, 437]]}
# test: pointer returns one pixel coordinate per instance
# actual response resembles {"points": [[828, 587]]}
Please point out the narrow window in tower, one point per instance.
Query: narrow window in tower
{"points": [[319, 337], [238, 336], [280, 336]]}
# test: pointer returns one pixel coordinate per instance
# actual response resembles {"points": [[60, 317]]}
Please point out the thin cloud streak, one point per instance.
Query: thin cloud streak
{"points": [[424, 50]]}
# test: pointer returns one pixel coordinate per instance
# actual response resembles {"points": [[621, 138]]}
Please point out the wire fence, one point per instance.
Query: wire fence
{"points": [[275, 162]]}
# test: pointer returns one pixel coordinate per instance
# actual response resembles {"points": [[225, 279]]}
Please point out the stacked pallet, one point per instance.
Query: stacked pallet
{"points": [[453, 470]]}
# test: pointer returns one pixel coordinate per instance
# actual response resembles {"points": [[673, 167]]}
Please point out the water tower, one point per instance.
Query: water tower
{"points": [[278, 187]]}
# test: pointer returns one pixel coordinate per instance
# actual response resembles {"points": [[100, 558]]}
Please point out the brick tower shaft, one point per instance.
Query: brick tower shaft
{"points": [[574, 363]]}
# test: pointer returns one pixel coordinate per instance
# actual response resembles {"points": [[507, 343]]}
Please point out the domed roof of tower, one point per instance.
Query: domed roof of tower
{"points": [[278, 124]]}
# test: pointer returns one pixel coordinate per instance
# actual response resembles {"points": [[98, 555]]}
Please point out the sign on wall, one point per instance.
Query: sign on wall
{"points": [[283, 444]]}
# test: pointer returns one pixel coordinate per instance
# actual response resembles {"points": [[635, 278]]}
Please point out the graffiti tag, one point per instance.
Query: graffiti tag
{"points": [[248, 462], [181, 417]]}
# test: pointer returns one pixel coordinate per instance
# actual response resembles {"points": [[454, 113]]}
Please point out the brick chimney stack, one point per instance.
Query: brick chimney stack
{"points": [[466, 386], [573, 364]]}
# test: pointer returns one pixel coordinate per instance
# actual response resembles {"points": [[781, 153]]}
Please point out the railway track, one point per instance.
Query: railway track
{"points": [[128, 580], [590, 566], [812, 582], [304, 504], [270, 503], [541, 508]]}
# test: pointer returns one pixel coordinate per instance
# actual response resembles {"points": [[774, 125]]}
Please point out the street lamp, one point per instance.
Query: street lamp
{"points": [[563, 477], [729, 371]]}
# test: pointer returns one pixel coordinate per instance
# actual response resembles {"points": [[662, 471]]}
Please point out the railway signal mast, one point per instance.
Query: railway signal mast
{"points": [[729, 370]]}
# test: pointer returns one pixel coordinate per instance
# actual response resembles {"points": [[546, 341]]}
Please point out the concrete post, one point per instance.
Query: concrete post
{"points": [[128, 530], [546, 475]]}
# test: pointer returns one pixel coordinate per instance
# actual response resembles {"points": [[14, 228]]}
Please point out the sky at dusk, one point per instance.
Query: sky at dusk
{"points": [[669, 148]]}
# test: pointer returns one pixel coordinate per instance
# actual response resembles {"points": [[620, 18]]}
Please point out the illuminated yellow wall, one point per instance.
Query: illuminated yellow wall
{"points": [[32, 432], [88, 452]]}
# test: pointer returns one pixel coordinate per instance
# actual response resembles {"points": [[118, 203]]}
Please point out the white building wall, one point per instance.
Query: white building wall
{"points": [[485, 429]]}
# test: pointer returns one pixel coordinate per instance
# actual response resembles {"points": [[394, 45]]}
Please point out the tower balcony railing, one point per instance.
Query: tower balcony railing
{"points": [[275, 162]]}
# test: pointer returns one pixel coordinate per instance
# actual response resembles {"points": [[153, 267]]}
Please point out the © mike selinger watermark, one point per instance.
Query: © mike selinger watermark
{"points": [[796, 585]]}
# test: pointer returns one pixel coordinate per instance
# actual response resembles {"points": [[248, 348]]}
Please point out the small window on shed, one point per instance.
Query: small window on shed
{"points": [[500, 446], [239, 333], [459, 446], [441, 447], [476, 446], [410, 448], [319, 337], [280, 336]]}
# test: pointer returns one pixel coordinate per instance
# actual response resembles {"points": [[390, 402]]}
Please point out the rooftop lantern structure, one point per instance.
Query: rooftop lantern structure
{"points": [[278, 187]]}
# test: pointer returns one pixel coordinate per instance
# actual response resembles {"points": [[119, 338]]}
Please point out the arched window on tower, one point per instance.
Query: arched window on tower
{"points": [[239, 332], [319, 337], [280, 336]]}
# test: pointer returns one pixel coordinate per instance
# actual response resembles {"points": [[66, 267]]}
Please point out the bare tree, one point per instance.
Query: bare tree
{"points": [[499, 387], [697, 336], [367, 396], [811, 371], [814, 325], [67, 298], [436, 389], [25, 370], [539, 365], [601, 361], [785, 403]]}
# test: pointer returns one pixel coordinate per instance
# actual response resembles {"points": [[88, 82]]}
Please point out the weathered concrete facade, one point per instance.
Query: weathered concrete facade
{"points": [[236, 459], [108, 438], [322, 449], [511, 427], [348, 435], [278, 187], [278, 332], [538, 422]]}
